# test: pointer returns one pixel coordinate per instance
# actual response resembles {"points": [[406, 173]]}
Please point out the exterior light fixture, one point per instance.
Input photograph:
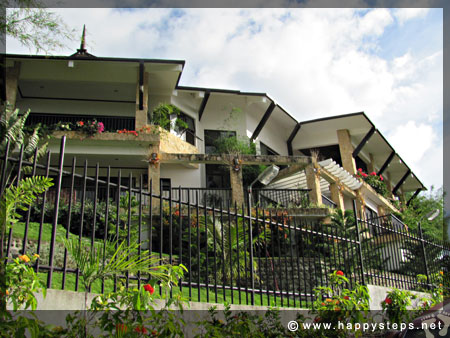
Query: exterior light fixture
{"points": [[267, 175], [432, 214], [429, 216], [70, 64]]}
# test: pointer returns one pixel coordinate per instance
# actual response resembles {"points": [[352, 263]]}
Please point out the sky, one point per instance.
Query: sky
{"points": [[313, 62]]}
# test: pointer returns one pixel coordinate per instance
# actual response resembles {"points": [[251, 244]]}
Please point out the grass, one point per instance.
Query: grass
{"points": [[109, 287], [205, 295]]}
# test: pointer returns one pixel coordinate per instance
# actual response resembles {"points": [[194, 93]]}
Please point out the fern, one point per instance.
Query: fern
{"points": [[21, 197]]}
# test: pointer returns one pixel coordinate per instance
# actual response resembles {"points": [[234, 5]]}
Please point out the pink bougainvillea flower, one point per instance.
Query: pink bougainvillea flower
{"points": [[364, 174], [381, 177], [373, 173], [100, 127], [360, 170]]}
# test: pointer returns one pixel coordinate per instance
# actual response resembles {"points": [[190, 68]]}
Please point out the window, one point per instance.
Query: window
{"points": [[217, 176], [265, 150], [211, 136], [187, 134]]}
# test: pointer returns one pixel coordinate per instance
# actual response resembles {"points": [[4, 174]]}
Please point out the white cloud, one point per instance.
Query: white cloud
{"points": [[313, 62], [405, 14]]}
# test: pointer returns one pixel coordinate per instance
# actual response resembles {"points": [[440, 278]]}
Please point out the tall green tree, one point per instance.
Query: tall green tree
{"points": [[420, 207], [34, 26]]}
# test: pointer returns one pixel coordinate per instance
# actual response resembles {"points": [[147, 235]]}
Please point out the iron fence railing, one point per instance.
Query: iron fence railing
{"points": [[394, 255], [111, 123], [328, 202], [276, 198], [235, 253]]}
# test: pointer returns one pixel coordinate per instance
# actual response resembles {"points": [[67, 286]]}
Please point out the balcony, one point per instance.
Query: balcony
{"points": [[111, 123]]}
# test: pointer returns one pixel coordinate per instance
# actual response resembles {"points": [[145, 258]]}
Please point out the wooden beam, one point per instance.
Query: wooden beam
{"points": [[403, 179], [386, 164], [291, 138], [363, 142], [141, 85], [203, 104], [414, 196], [263, 121], [300, 161]]}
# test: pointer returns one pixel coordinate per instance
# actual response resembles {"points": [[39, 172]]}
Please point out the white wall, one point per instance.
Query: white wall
{"points": [[182, 176], [77, 107]]}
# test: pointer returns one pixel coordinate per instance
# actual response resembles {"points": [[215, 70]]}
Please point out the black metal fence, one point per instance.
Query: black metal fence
{"points": [[394, 255], [111, 123], [234, 253]]}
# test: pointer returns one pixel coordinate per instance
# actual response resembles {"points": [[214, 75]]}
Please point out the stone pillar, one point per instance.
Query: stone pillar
{"points": [[336, 196], [346, 150], [12, 79], [154, 175], [141, 115], [237, 187], [313, 183]]}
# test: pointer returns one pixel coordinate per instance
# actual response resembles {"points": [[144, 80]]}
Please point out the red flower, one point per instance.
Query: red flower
{"points": [[346, 297], [80, 123], [381, 177], [339, 273], [141, 329], [373, 173], [177, 213], [122, 328], [388, 301], [364, 174], [149, 288], [360, 170], [154, 333]]}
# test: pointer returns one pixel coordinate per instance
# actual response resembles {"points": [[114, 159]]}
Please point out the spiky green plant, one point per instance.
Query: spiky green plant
{"points": [[12, 130], [19, 196]]}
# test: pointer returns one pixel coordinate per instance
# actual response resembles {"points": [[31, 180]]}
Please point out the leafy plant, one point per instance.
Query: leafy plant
{"points": [[395, 306], [22, 282], [168, 117], [335, 303]]}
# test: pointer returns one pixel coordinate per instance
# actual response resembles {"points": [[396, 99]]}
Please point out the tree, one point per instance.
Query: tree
{"points": [[34, 26], [421, 206]]}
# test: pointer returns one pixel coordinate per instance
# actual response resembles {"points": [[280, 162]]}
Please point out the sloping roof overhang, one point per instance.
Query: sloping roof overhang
{"points": [[363, 133]]}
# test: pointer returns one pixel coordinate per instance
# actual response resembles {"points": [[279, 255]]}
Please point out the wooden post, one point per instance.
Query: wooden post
{"points": [[237, 186], [12, 80], [141, 115], [313, 183], [336, 196], [154, 175], [346, 150]]}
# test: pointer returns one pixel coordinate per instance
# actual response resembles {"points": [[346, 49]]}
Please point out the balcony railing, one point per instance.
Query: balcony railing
{"points": [[111, 123], [328, 202]]}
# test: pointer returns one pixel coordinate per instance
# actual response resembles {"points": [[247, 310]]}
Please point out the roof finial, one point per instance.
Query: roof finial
{"points": [[82, 52], [83, 39]]}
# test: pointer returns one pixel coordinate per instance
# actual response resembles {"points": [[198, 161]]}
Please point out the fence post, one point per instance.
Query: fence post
{"points": [[250, 240], [363, 280], [424, 255], [55, 216]]}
